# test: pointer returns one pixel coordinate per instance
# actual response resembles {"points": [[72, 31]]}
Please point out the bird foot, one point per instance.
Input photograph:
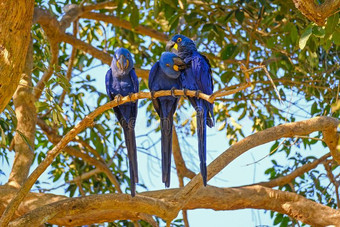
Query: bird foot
{"points": [[173, 92], [152, 94], [119, 98], [130, 96], [197, 93], [185, 93]]}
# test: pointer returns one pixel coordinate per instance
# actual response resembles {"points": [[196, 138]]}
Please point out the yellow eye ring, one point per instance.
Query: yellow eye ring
{"points": [[179, 40], [168, 65]]}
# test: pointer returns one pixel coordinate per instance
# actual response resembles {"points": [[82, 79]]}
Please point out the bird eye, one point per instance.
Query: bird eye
{"points": [[168, 65], [179, 40]]}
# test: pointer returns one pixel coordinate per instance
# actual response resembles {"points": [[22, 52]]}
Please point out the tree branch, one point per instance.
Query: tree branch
{"points": [[26, 114], [15, 23], [117, 22], [182, 170], [109, 207], [317, 13], [39, 87], [306, 127], [280, 181], [70, 63], [55, 139]]}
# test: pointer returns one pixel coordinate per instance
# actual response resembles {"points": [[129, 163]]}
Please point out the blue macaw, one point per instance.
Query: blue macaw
{"points": [[121, 80], [196, 77], [165, 75]]}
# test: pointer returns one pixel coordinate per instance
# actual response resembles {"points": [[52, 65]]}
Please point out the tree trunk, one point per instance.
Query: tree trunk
{"points": [[15, 26], [25, 111]]}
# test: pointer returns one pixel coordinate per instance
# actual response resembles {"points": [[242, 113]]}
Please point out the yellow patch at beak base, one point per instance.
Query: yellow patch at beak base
{"points": [[175, 67], [175, 46], [117, 65], [127, 63]]}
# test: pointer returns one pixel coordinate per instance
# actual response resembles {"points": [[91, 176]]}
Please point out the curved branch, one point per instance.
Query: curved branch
{"points": [[116, 21], [306, 127], [182, 170], [280, 181], [54, 138], [39, 87], [108, 207]]}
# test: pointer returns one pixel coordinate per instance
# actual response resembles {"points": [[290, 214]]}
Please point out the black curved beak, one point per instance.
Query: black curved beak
{"points": [[170, 45], [122, 63], [180, 63]]}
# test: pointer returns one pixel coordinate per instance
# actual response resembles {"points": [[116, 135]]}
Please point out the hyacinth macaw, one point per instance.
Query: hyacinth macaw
{"points": [[196, 77], [121, 80], [165, 75]]}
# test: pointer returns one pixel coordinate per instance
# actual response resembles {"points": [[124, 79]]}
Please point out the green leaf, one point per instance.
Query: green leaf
{"points": [[3, 138], [134, 16], [305, 36], [25, 139], [41, 106], [336, 37], [239, 15], [332, 22], [314, 108], [319, 32], [228, 52]]}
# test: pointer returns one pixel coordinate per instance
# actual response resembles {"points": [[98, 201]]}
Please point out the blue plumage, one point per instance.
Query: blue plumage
{"points": [[196, 77], [121, 79], [165, 75]]}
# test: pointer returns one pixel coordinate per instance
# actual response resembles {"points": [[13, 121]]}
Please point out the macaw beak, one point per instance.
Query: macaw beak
{"points": [[171, 44], [179, 64], [122, 62]]}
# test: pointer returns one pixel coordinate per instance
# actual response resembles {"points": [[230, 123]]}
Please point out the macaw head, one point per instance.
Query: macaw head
{"points": [[171, 64], [181, 45], [122, 62]]}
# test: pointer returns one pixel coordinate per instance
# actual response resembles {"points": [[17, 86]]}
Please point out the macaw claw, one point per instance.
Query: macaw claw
{"points": [[197, 93], [119, 98], [152, 94], [173, 92], [130, 96], [185, 92]]}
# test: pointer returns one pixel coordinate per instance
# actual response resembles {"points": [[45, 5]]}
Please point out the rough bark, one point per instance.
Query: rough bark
{"points": [[25, 111], [15, 28], [101, 208], [317, 13]]}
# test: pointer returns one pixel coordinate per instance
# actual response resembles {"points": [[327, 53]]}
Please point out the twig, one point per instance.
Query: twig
{"points": [[280, 181], [70, 63], [38, 89]]}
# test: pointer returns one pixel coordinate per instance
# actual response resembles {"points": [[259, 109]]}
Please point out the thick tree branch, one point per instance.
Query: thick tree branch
{"points": [[108, 207], [317, 13], [15, 27], [26, 114], [306, 127]]}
